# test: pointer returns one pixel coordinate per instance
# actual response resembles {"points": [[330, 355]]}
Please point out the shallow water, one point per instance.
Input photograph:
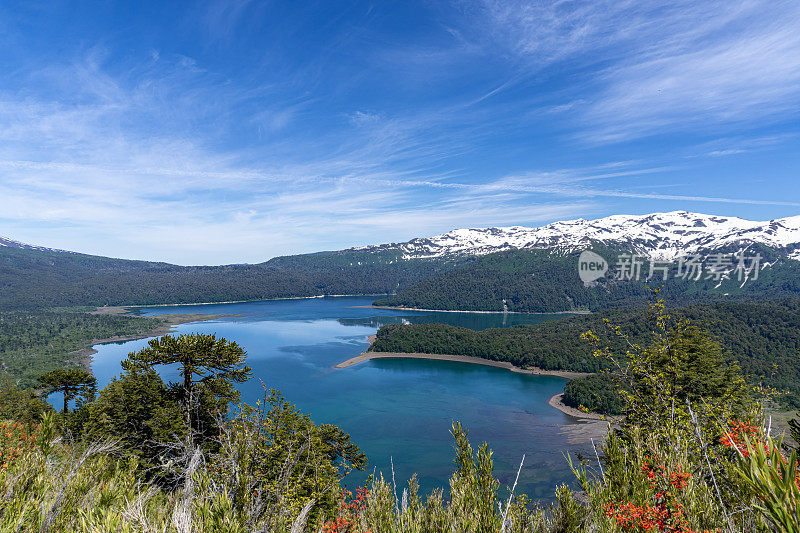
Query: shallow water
{"points": [[396, 410]]}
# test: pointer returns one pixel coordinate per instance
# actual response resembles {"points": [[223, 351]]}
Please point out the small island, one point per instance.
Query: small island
{"points": [[370, 354]]}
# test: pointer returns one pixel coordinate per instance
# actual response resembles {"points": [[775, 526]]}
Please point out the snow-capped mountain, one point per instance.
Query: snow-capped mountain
{"points": [[661, 236], [11, 243]]}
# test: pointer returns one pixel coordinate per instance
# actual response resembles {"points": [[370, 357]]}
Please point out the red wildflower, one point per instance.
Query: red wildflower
{"points": [[348, 511]]}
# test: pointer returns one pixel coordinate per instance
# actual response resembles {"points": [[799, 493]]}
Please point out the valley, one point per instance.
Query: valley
{"points": [[481, 326]]}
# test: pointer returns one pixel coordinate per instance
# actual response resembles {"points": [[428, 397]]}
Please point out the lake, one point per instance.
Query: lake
{"points": [[398, 411]]}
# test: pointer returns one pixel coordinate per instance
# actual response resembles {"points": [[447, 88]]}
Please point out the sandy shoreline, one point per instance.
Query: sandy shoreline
{"points": [[366, 356], [114, 309], [122, 309], [588, 427], [557, 402], [473, 312]]}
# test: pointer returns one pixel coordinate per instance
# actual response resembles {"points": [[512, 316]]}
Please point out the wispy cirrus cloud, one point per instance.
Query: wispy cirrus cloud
{"points": [[727, 146], [655, 68], [287, 131], [100, 168], [521, 185]]}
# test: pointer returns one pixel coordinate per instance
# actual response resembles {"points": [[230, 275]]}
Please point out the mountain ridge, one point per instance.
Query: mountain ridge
{"points": [[522, 269], [11, 243], [661, 236]]}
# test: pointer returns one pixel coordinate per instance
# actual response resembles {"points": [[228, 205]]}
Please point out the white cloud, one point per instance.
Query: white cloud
{"points": [[363, 118], [161, 158], [726, 146], [656, 67]]}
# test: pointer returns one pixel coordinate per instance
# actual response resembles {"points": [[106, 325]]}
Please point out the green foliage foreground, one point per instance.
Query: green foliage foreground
{"points": [[691, 455]]}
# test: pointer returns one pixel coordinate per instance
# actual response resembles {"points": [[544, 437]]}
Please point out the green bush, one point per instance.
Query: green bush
{"points": [[691, 455], [599, 393]]}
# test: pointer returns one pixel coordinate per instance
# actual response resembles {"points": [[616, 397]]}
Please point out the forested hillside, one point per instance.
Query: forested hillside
{"points": [[763, 337], [538, 280], [544, 281], [32, 279], [32, 343]]}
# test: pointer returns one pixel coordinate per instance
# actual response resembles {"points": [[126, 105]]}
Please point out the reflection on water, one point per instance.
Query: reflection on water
{"points": [[400, 409], [476, 321]]}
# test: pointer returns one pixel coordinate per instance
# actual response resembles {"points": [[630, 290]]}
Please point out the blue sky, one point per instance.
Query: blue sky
{"points": [[235, 131]]}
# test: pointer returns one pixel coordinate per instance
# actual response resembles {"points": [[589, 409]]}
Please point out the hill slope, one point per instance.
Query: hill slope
{"points": [[763, 337], [31, 278], [543, 281], [519, 269], [657, 235]]}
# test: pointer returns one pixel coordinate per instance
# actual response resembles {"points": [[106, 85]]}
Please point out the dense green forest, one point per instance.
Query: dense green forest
{"points": [[522, 280], [597, 393], [546, 281], [35, 342], [142, 454], [33, 279], [542, 345], [763, 337]]}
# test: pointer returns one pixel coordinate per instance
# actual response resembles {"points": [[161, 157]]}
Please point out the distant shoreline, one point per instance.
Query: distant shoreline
{"points": [[168, 323], [113, 309], [399, 308], [367, 356], [99, 309], [555, 402]]}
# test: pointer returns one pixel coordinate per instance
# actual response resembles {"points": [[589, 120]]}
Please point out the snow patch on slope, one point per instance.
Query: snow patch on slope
{"points": [[662, 236], [11, 243]]}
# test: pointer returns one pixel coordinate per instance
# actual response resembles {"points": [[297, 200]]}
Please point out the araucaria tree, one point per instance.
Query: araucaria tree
{"points": [[70, 382], [138, 410], [209, 366]]}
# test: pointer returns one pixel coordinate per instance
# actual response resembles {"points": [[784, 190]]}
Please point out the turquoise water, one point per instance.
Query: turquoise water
{"points": [[396, 410]]}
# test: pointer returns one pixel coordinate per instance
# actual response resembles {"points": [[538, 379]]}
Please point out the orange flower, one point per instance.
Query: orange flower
{"points": [[349, 511]]}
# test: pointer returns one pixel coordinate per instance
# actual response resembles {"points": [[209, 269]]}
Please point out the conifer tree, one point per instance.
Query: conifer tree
{"points": [[209, 366], [680, 369], [70, 382], [137, 409]]}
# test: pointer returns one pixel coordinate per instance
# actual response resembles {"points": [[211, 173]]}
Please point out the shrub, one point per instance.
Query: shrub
{"points": [[599, 393]]}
